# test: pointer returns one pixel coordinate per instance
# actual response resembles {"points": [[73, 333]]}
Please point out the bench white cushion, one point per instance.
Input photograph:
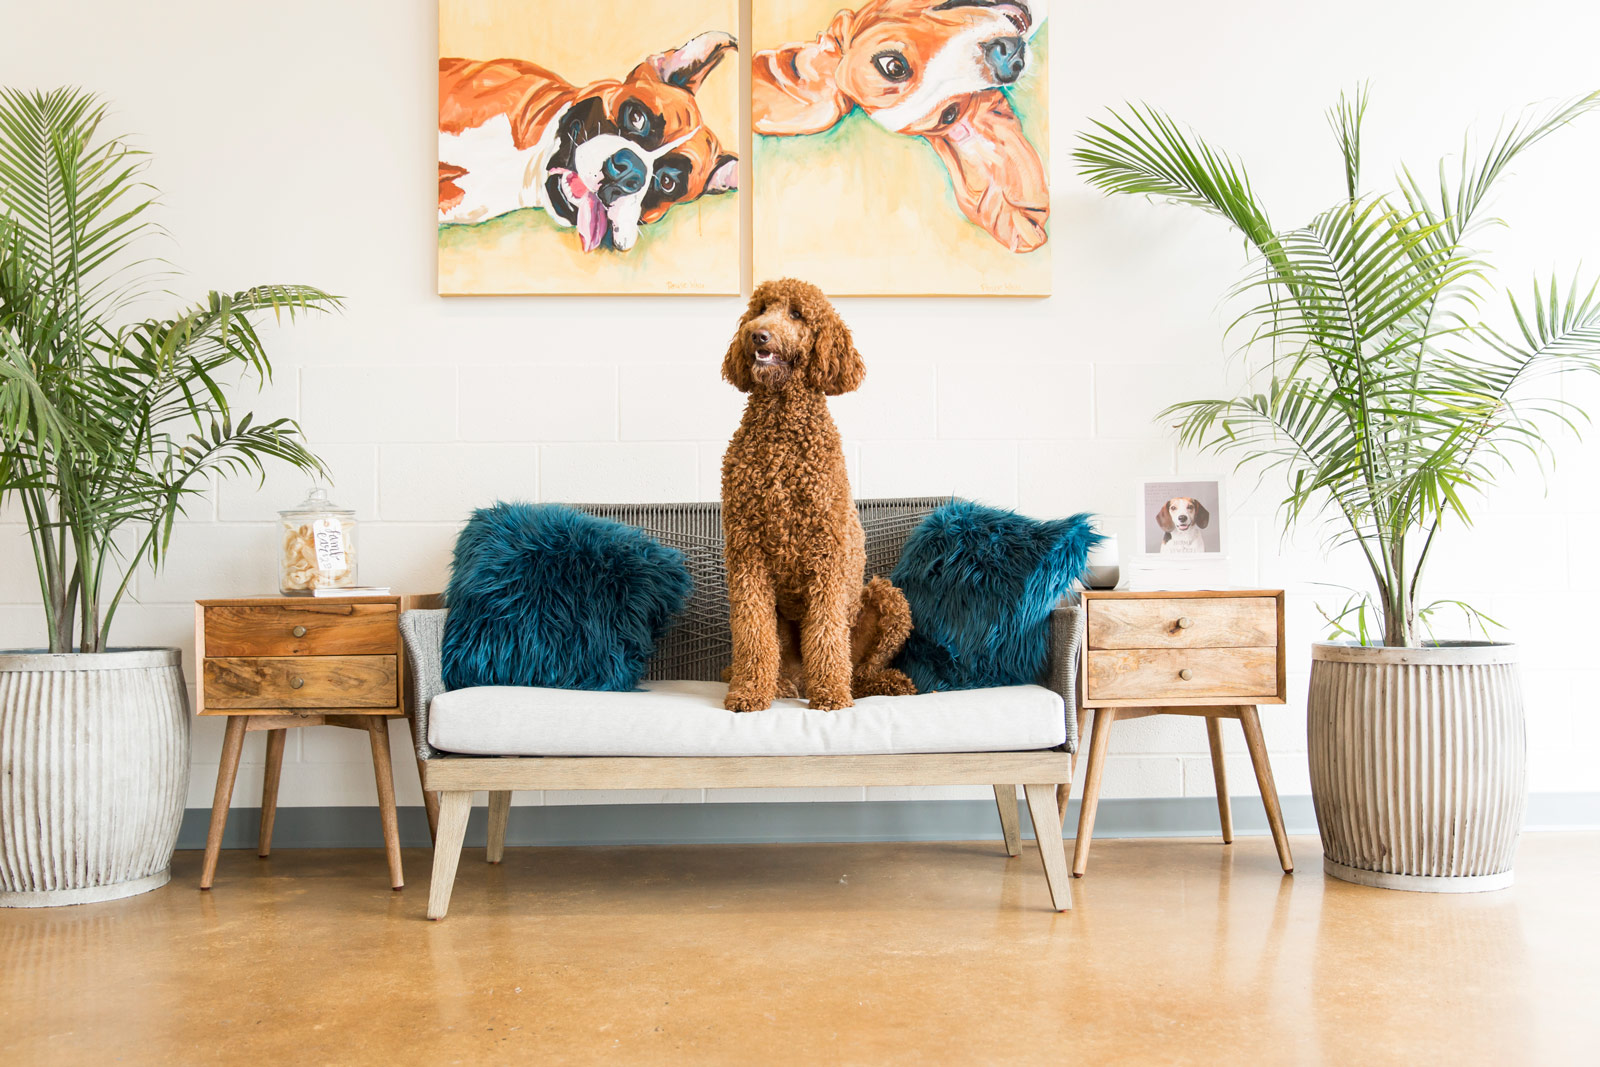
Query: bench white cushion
{"points": [[688, 719]]}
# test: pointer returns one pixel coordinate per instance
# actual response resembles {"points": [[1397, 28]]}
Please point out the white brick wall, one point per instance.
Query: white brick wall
{"points": [[426, 408]]}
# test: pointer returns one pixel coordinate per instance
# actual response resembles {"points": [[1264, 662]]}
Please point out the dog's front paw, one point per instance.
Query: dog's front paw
{"points": [[887, 682], [746, 700], [830, 701]]}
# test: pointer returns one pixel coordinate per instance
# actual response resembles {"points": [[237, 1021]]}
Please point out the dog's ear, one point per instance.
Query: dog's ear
{"points": [[1202, 517], [1164, 520], [687, 67], [794, 89], [835, 366], [736, 363], [724, 175], [997, 177]]}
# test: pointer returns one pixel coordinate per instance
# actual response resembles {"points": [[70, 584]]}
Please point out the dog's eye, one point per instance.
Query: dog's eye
{"points": [[671, 177], [633, 118], [949, 114], [892, 65], [794, 313]]}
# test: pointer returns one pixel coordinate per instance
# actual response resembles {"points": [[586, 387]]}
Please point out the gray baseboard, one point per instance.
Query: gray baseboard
{"points": [[882, 820]]}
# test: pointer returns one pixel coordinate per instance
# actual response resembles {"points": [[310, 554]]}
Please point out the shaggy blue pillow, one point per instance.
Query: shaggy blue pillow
{"points": [[982, 583], [550, 596]]}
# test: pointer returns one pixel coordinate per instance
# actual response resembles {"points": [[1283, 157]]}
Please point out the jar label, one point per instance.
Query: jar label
{"points": [[329, 537]]}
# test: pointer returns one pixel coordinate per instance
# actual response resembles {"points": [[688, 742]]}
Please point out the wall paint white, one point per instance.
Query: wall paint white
{"points": [[296, 145]]}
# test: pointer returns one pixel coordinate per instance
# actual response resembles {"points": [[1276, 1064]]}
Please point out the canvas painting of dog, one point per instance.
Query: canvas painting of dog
{"points": [[588, 148], [901, 146], [1182, 518]]}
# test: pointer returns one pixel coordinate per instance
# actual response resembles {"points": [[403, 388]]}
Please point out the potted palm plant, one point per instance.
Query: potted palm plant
{"points": [[1391, 407], [108, 427]]}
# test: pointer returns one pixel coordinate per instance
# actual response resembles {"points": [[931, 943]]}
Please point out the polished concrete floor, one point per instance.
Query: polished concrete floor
{"points": [[1179, 951]]}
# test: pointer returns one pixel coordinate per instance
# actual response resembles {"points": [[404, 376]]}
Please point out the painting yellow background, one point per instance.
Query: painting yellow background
{"points": [[859, 210], [695, 248]]}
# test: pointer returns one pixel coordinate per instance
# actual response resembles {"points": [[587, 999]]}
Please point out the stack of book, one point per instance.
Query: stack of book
{"points": [[1181, 572]]}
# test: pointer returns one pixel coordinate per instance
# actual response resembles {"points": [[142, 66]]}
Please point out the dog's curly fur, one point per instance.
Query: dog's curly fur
{"points": [[803, 624]]}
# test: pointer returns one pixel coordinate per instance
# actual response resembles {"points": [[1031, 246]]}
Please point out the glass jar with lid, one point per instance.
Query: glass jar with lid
{"points": [[319, 546]]}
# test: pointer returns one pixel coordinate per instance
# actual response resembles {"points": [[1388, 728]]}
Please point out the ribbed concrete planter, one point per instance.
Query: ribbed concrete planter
{"points": [[94, 770], [1418, 764]]}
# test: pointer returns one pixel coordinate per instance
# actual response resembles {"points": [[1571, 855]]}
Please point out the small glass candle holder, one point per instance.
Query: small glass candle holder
{"points": [[1103, 570], [319, 546]]}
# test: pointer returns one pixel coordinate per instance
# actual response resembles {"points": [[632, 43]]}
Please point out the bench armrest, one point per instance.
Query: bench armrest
{"points": [[1061, 668], [423, 634]]}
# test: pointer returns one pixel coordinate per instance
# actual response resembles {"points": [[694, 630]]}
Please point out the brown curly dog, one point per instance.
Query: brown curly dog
{"points": [[803, 623]]}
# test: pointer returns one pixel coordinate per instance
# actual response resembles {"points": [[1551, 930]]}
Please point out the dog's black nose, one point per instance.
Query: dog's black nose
{"points": [[622, 175], [761, 337], [1006, 56]]}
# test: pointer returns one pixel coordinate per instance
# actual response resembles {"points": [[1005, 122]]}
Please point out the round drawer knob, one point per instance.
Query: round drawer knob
{"points": [[296, 683], [299, 631], [1186, 674], [1185, 622]]}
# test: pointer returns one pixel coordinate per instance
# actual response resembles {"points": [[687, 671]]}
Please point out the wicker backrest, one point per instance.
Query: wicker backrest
{"points": [[699, 646]]}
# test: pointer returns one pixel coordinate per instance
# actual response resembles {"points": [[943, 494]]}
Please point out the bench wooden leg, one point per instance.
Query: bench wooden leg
{"points": [[1269, 788], [1064, 790], [454, 807], [430, 798], [1047, 830], [1219, 772], [499, 813], [1005, 798]]}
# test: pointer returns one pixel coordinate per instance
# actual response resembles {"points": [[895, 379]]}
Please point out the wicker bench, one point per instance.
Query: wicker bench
{"points": [[881, 741]]}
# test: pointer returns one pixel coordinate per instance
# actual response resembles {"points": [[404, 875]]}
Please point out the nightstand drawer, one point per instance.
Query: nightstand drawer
{"points": [[1223, 622], [302, 630], [302, 682], [1158, 674]]}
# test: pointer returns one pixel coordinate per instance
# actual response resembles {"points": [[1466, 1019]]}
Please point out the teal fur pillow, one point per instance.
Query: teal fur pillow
{"points": [[546, 595], [982, 583]]}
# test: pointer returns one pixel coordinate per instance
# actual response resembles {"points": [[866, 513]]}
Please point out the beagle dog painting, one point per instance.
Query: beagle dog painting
{"points": [[1182, 518], [601, 159], [934, 69]]}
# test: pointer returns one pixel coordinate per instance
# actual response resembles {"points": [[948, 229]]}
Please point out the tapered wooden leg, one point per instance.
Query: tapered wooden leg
{"points": [[1269, 789], [232, 745], [1047, 831], [1103, 718], [499, 813], [1064, 790], [378, 731], [269, 789], [430, 805], [430, 798], [1005, 798], [1219, 771], [454, 807]]}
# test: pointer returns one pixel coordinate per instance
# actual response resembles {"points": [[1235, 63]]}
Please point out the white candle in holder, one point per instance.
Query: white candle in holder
{"points": [[1104, 567]]}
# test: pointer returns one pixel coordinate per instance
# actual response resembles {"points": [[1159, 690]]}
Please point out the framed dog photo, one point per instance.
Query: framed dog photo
{"points": [[1182, 518], [588, 148]]}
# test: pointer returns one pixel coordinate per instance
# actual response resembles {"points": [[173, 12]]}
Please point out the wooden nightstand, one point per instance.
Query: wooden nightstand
{"points": [[275, 663], [1215, 654]]}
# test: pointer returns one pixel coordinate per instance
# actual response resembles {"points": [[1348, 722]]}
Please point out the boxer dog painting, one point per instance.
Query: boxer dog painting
{"points": [[602, 160]]}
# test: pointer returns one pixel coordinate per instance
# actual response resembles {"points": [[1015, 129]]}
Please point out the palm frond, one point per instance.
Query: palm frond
{"points": [[1144, 152]]}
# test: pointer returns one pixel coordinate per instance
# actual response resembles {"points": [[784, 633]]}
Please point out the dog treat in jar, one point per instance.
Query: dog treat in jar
{"points": [[319, 546]]}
